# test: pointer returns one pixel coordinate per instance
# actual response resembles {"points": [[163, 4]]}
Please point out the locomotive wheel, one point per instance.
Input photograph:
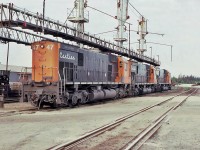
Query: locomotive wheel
{"points": [[34, 104], [69, 103], [40, 104], [84, 100], [121, 94], [41, 101], [34, 99], [74, 100], [53, 105]]}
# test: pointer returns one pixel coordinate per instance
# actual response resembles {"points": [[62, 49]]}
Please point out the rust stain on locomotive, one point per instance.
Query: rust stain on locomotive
{"points": [[124, 71], [168, 77], [152, 75]]}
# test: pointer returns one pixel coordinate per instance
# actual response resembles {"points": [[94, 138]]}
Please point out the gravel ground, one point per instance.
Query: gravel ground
{"points": [[43, 129]]}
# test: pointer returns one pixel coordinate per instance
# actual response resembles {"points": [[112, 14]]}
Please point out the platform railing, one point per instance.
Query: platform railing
{"points": [[18, 36]]}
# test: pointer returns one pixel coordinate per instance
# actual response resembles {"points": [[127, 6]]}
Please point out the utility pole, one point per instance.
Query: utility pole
{"points": [[8, 50], [171, 52], [43, 16], [129, 43], [171, 46], [79, 16], [142, 31], [158, 58], [151, 51], [122, 17]]}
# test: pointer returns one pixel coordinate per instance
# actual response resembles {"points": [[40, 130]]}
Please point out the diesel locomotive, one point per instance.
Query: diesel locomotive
{"points": [[64, 74]]}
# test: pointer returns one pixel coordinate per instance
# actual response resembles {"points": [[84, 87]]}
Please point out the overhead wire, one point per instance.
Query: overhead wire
{"points": [[135, 9], [129, 23], [69, 15], [144, 17], [162, 34], [108, 14], [101, 12], [164, 45], [105, 32], [116, 19], [159, 43], [134, 13]]}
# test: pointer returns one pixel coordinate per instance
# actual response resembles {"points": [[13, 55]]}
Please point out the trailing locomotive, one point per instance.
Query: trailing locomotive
{"points": [[67, 75]]}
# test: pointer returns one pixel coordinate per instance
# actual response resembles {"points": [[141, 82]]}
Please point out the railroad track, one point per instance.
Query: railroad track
{"points": [[147, 133], [155, 125]]}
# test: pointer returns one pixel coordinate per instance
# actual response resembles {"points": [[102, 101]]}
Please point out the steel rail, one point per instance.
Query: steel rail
{"points": [[181, 103], [151, 129], [108, 126], [156, 125]]}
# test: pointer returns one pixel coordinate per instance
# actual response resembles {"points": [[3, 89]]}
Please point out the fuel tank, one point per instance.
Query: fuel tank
{"points": [[109, 94], [96, 95]]}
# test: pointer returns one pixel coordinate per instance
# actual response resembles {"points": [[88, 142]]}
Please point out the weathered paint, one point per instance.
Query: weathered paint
{"points": [[124, 71], [152, 75], [168, 77], [45, 61]]}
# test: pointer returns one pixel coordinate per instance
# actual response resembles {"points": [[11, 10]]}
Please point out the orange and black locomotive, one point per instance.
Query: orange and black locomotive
{"points": [[63, 74]]}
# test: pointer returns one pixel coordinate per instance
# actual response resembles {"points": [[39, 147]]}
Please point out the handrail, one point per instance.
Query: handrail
{"points": [[64, 75], [60, 79]]}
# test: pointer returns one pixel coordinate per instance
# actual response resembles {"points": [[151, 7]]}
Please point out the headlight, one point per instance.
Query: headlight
{"points": [[42, 46]]}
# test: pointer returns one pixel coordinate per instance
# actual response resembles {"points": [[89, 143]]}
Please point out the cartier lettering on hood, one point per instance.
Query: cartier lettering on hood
{"points": [[67, 56]]}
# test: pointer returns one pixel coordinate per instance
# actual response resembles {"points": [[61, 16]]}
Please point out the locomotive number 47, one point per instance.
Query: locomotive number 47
{"points": [[49, 47]]}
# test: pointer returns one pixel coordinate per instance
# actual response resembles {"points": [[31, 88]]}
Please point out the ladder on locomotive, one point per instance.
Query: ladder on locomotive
{"points": [[68, 72]]}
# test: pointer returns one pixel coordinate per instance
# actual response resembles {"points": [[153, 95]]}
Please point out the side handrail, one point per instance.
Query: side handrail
{"points": [[64, 75], [60, 79]]}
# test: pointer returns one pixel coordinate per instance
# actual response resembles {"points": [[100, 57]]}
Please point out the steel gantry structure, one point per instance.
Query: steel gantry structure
{"points": [[12, 16], [18, 36]]}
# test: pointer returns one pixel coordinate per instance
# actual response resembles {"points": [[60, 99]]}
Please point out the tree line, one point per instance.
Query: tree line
{"points": [[183, 79]]}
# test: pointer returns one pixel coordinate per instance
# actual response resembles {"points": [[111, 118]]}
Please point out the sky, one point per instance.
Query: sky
{"points": [[179, 20]]}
